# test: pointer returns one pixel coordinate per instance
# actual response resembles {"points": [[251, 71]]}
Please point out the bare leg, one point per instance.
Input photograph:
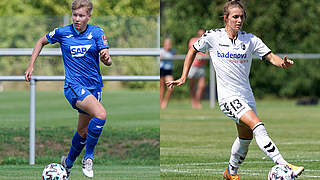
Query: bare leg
{"points": [[162, 88], [262, 138], [93, 127], [251, 125], [166, 98], [193, 92], [244, 132], [83, 123], [93, 107], [201, 86]]}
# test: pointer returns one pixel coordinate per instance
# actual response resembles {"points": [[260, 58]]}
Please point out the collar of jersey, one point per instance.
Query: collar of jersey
{"points": [[226, 34], [78, 33]]}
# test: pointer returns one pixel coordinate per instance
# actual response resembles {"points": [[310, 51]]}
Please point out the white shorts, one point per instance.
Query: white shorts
{"points": [[196, 72], [234, 107]]}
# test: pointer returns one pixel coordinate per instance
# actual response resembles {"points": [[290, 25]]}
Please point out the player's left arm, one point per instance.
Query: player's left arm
{"points": [[105, 57], [277, 61]]}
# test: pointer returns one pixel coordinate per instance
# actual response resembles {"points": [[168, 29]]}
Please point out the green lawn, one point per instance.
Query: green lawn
{"points": [[27, 172], [196, 144], [127, 149], [125, 109]]}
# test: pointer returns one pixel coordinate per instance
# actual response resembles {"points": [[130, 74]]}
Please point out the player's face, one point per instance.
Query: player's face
{"points": [[80, 18], [235, 19], [167, 44], [200, 32]]}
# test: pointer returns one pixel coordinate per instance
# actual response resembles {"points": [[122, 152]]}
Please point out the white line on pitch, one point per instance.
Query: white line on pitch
{"points": [[299, 143], [193, 118], [218, 171], [220, 163]]}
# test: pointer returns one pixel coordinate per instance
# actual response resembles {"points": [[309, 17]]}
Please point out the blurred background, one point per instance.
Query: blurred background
{"points": [[127, 24], [195, 142], [129, 145], [284, 26]]}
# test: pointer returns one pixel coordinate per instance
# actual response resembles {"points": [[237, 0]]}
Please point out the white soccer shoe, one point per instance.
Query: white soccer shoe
{"points": [[297, 170], [87, 167]]}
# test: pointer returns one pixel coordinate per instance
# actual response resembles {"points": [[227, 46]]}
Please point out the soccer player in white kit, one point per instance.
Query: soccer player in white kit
{"points": [[231, 53]]}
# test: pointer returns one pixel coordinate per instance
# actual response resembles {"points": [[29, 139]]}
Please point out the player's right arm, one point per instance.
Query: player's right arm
{"points": [[201, 45], [35, 53], [186, 67]]}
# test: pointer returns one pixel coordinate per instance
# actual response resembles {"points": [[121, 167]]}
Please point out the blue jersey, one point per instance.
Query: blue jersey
{"points": [[80, 53]]}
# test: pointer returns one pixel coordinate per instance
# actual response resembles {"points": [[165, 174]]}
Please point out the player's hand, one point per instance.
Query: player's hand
{"points": [[178, 82], [105, 57], [28, 73], [286, 63]]}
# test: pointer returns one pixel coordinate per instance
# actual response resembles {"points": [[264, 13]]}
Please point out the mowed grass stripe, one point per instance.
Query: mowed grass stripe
{"points": [[125, 109], [132, 130], [26, 172], [196, 143]]}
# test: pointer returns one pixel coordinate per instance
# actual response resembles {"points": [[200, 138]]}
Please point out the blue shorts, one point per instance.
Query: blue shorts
{"points": [[74, 93], [165, 72]]}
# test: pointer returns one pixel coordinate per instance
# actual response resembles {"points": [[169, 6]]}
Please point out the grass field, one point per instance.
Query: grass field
{"points": [[196, 144], [128, 148], [27, 172]]}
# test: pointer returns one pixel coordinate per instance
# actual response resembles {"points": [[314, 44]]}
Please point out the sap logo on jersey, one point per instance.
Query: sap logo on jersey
{"points": [[79, 51], [231, 55]]}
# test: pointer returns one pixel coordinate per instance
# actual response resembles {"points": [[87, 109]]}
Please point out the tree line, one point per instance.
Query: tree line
{"points": [[127, 24], [284, 26]]}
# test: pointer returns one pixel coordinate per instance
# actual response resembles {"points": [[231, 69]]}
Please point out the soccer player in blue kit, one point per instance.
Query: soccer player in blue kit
{"points": [[82, 45]]}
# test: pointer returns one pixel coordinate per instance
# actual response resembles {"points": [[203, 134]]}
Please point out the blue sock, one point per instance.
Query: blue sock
{"points": [[77, 145], [93, 132]]}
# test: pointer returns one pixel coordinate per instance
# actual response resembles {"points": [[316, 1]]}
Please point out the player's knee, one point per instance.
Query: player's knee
{"points": [[201, 86], [102, 115]]}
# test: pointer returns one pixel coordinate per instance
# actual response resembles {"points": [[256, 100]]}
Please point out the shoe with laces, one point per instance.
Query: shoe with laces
{"points": [[297, 170], [64, 164], [227, 176], [87, 167]]}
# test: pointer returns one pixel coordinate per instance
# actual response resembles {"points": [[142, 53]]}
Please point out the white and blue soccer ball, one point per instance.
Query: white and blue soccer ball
{"points": [[54, 171], [281, 172]]}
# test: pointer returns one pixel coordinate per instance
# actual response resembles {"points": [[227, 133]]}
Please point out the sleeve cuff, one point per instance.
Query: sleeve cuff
{"points": [[49, 40], [264, 56], [195, 48]]}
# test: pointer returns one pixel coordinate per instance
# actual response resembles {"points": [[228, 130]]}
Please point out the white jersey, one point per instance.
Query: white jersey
{"points": [[232, 60]]}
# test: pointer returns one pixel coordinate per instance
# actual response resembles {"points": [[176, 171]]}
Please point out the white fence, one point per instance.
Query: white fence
{"points": [[212, 88], [57, 52]]}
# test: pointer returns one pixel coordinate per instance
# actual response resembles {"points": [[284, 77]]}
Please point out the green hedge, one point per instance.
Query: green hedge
{"points": [[284, 26]]}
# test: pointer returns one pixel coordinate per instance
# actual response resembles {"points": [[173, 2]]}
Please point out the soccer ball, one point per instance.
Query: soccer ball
{"points": [[54, 171], [280, 172]]}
